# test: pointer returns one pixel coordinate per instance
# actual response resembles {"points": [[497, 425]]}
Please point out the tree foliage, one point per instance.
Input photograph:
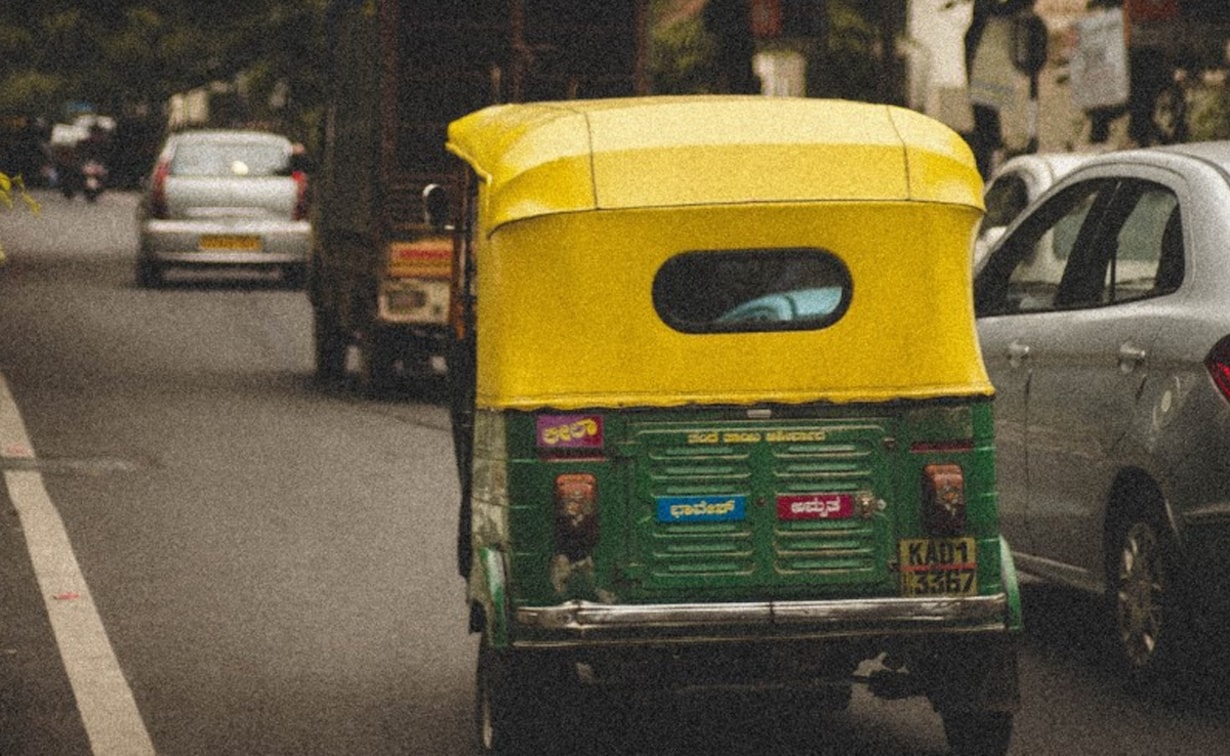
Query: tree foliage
{"points": [[9, 187], [843, 51], [121, 55]]}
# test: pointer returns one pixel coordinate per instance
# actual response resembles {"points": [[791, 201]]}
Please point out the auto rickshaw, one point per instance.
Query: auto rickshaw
{"points": [[719, 410]]}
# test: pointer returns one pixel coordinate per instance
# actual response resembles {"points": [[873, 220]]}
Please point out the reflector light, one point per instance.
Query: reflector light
{"points": [[944, 499], [301, 199], [425, 258], [158, 190], [1218, 365], [576, 515]]}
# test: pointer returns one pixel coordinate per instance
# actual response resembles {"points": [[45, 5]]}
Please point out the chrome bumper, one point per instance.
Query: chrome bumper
{"points": [[588, 622]]}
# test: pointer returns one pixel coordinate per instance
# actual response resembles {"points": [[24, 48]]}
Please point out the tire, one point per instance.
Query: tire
{"points": [[510, 705], [494, 706], [978, 733], [295, 276], [378, 355], [330, 346], [1151, 620], [149, 274]]}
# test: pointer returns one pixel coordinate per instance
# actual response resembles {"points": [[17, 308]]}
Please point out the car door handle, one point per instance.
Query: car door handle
{"points": [[1130, 356], [1017, 352]]}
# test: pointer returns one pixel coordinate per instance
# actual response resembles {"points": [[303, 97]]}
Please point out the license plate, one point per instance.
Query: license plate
{"points": [[243, 242], [938, 566]]}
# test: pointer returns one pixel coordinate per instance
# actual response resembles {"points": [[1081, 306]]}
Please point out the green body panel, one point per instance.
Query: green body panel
{"points": [[1016, 617], [875, 453]]}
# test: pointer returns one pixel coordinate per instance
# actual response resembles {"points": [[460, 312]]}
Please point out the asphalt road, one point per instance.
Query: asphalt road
{"points": [[270, 559]]}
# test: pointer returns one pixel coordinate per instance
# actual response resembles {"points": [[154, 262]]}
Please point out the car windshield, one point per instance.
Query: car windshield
{"points": [[230, 159]]}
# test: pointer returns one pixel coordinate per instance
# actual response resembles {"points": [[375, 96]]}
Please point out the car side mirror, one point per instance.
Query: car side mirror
{"points": [[437, 206]]}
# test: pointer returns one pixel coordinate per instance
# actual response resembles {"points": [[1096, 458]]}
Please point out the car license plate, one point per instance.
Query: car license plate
{"points": [[243, 242], [938, 566]]}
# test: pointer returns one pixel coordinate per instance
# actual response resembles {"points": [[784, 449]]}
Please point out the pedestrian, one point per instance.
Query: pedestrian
{"points": [[990, 73]]}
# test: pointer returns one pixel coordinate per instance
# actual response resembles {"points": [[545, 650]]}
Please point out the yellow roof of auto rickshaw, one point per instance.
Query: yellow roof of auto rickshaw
{"points": [[577, 155]]}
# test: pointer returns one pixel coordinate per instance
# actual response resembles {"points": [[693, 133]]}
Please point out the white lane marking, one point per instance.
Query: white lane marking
{"points": [[108, 710]]}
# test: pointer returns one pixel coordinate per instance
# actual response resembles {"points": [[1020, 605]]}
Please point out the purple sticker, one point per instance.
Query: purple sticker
{"points": [[570, 431], [822, 506]]}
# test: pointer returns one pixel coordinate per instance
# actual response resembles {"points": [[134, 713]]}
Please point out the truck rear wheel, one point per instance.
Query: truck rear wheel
{"points": [[378, 354], [330, 346]]}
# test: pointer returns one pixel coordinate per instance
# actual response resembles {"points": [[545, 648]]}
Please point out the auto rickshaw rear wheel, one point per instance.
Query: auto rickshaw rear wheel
{"points": [[977, 733], [520, 701], [505, 714]]}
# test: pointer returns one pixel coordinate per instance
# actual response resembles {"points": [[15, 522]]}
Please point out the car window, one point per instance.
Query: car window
{"points": [[231, 159], [751, 290], [1096, 244], [1005, 199], [1151, 234], [1027, 273]]}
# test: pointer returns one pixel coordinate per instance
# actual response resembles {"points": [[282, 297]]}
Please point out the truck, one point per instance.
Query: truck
{"points": [[399, 72]]}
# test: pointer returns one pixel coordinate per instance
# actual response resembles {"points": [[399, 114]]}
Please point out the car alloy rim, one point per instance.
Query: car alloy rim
{"points": [[1141, 588]]}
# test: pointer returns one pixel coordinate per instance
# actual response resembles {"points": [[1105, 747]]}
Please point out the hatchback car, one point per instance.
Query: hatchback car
{"points": [[1016, 183], [1104, 319], [224, 198]]}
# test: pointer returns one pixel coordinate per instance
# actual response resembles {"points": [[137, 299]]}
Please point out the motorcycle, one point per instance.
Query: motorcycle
{"points": [[94, 175]]}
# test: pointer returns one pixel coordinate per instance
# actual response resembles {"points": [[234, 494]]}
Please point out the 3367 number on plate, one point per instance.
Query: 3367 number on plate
{"points": [[938, 566]]}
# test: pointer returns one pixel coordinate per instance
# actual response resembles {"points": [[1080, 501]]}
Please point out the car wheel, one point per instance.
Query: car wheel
{"points": [[330, 346], [1151, 624], [295, 276], [978, 733], [149, 274]]}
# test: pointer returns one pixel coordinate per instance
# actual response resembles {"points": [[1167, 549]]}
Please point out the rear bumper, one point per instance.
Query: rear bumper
{"points": [[181, 242], [586, 623]]}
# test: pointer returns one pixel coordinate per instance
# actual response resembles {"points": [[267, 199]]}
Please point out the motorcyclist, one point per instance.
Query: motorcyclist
{"points": [[92, 155]]}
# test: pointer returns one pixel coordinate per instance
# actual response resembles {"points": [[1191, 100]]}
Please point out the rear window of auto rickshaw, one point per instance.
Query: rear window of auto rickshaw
{"points": [[751, 290]]}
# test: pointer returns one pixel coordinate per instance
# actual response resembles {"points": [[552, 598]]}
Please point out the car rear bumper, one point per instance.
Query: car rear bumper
{"points": [[583, 623], [270, 242]]}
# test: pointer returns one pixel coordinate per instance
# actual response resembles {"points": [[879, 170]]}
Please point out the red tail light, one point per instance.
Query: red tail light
{"points": [[158, 190], [301, 200], [944, 499], [576, 515], [1218, 364]]}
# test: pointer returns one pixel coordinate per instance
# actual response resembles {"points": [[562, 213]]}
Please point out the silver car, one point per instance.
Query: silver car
{"points": [[224, 197], [1104, 318], [1016, 183]]}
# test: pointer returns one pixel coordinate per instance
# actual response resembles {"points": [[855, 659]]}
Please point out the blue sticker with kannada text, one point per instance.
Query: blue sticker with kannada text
{"points": [[702, 508]]}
